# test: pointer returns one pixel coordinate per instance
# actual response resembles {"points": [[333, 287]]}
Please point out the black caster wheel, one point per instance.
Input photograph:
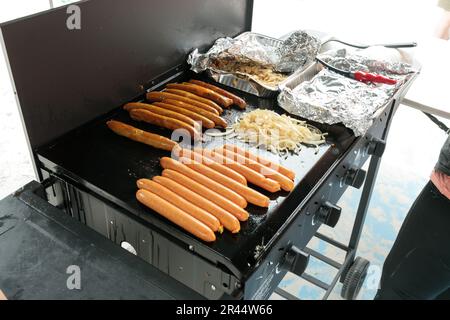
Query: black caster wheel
{"points": [[355, 278]]}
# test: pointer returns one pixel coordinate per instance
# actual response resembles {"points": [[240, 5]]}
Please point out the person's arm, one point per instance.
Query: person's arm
{"points": [[443, 164], [443, 29], [441, 174]]}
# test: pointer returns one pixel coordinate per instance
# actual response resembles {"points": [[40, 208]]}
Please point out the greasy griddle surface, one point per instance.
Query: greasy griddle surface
{"points": [[109, 165]]}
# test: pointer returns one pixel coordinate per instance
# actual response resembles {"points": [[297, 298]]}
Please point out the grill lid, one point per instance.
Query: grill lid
{"points": [[64, 78]]}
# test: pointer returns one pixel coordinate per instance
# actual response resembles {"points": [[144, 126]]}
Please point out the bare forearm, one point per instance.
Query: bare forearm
{"points": [[443, 28]]}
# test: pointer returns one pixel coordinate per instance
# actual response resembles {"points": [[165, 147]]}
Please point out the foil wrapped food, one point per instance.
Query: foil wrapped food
{"points": [[332, 98], [297, 51], [257, 58], [348, 61]]}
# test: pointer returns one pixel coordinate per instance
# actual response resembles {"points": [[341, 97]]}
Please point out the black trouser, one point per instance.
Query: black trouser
{"points": [[418, 266]]}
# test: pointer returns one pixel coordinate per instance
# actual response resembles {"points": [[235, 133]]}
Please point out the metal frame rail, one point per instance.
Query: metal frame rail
{"points": [[352, 246]]}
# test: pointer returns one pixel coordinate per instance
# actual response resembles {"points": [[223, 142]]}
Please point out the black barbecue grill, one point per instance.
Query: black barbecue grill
{"points": [[70, 82]]}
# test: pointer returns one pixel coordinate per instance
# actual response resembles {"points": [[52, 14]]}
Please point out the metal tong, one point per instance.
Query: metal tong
{"points": [[365, 76], [387, 45], [359, 75]]}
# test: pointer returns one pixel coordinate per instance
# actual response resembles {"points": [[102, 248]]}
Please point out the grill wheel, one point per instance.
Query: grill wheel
{"points": [[355, 278]]}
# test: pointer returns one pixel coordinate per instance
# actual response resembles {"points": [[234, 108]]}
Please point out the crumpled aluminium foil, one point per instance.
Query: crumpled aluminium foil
{"points": [[296, 52], [245, 49], [331, 98], [283, 56], [347, 61]]}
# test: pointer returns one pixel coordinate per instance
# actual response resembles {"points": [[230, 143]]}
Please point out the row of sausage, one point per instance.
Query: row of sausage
{"points": [[205, 191], [190, 106]]}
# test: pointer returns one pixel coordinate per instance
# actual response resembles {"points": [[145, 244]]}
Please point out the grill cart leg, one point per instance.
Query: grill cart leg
{"points": [[362, 211], [376, 149], [353, 271]]}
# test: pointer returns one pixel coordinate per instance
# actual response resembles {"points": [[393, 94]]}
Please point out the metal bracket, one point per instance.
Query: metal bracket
{"points": [[376, 147], [329, 214], [296, 261], [355, 178]]}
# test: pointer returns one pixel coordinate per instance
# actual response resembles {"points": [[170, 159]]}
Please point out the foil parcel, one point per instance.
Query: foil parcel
{"points": [[332, 98], [252, 52]]}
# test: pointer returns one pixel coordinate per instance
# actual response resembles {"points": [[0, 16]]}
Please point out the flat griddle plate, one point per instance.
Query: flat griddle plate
{"points": [[109, 165]]}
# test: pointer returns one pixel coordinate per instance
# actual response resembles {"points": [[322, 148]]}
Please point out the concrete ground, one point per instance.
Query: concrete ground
{"points": [[412, 151], [15, 164]]}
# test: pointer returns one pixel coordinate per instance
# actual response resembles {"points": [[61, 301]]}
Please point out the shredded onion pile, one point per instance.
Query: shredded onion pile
{"points": [[277, 133]]}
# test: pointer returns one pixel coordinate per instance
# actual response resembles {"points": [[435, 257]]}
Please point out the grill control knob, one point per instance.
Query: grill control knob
{"points": [[355, 178], [329, 214], [376, 147], [296, 261]]}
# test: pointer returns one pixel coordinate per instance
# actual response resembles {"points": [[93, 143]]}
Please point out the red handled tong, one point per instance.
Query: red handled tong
{"points": [[360, 75]]}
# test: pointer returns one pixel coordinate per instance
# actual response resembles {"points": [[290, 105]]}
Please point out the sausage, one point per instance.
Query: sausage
{"points": [[237, 101], [164, 122], [192, 96], [180, 185], [162, 112], [213, 165], [252, 196], [178, 201], [285, 183], [283, 170], [211, 116], [205, 122], [176, 215], [249, 174], [151, 139], [169, 163], [202, 92], [157, 96], [207, 193]]}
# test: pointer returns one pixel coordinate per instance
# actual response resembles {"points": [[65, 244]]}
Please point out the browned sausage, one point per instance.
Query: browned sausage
{"points": [[211, 116], [178, 201], [196, 98], [285, 183], [252, 196], [162, 121], [176, 215], [207, 193], [161, 111], [213, 165], [182, 186], [157, 96], [283, 170], [202, 92], [169, 163], [130, 132], [205, 122], [237, 101], [249, 174]]}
